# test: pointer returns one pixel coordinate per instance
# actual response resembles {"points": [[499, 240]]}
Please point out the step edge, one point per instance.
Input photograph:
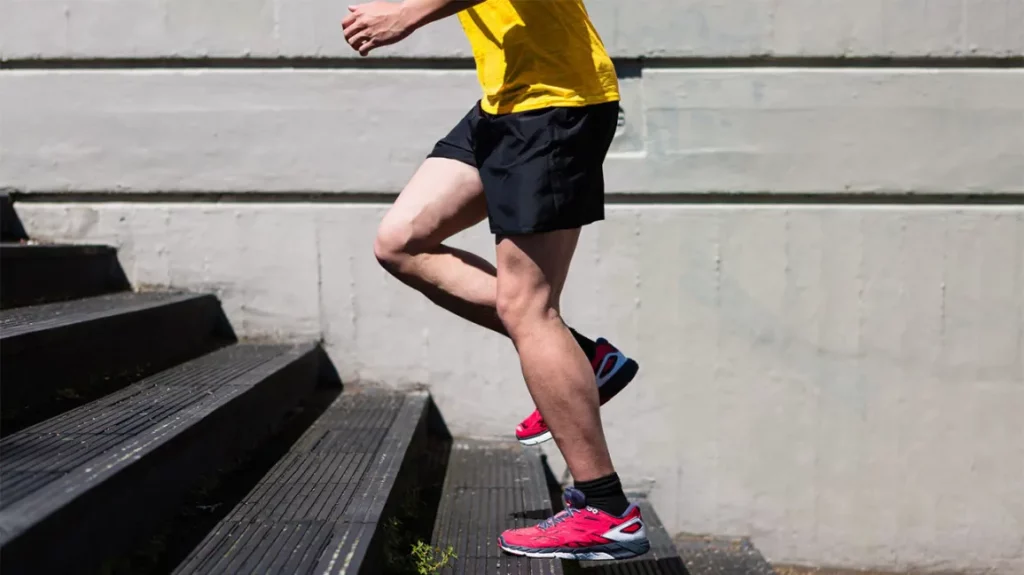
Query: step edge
{"points": [[54, 496], [128, 307], [362, 528], [536, 464], [384, 473], [9, 248]]}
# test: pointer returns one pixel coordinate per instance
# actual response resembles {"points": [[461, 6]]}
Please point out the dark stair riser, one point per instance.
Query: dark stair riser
{"points": [[10, 225], [35, 274], [327, 506], [105, 351], [408, 511], [110, 515]]}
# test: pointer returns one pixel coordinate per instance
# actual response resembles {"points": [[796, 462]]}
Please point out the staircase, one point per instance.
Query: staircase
{"points": [[139, 435]]}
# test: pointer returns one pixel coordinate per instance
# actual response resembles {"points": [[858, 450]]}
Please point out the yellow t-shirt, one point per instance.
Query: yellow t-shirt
{"points": [[534, 54]]}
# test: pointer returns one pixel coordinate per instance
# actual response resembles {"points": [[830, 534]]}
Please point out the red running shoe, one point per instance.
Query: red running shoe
{"points": [[612, 370], [582, 533]]}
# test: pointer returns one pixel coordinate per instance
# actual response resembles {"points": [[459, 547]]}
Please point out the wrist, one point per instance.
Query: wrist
{"points": [[410, 15]]}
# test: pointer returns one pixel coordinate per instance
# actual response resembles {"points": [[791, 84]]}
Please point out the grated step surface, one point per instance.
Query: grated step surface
{"points": [[16, 324], [59, 355], [318, 510], [711, 555], [124, 461], [490, 487], [32, 274]]}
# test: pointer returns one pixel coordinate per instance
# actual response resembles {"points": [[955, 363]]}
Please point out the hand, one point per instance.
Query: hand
{"points": [[374, 24]]}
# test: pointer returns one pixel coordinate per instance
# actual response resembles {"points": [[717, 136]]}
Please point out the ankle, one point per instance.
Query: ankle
{"points": [[605, 493], [588, 345]]}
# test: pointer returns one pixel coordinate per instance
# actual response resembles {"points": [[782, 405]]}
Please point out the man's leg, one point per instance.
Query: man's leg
{"points": [[598, 521], [443, 198], [531, 273]]}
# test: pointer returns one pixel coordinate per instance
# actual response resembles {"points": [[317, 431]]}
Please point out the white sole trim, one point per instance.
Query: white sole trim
{"points": [[536, 439], [587, 556]]}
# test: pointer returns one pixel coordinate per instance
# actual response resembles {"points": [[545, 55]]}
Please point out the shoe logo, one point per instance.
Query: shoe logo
{"points": [[632, 530], [610, 363]]}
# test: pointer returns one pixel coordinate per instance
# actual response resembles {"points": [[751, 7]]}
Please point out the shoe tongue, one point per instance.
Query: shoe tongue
{"points": [[574, 498]]}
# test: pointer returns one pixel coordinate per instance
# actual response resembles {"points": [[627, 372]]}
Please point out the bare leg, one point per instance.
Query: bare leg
{"points": [[443, 198], [531, 273]]}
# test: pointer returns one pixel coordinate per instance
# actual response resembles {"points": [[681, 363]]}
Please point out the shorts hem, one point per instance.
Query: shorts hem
{"points": [[451, 155], [545, 228]]}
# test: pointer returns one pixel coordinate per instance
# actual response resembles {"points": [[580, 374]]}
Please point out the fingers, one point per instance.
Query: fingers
{"points": [[357, 40], [357, 32], [353, 29], [351, 17], [363, 43], [364, 49]]}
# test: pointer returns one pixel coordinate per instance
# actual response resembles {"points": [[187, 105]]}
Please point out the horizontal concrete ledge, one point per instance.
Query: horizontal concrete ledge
{"points": [[625, 65], [783, 130], [666, 198], [648, 28]]}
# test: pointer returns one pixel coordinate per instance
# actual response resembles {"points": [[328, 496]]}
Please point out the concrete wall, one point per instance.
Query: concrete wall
{"points": [[817, 254]]}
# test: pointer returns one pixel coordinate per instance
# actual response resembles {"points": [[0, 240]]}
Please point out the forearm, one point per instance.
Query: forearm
{"points": [[419, 13]]}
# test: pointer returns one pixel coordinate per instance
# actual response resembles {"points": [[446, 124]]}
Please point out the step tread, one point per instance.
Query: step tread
{"points": [[318, 507], [25, 250], [20, 321], [46, 465], [718, 555], [491, 486]]}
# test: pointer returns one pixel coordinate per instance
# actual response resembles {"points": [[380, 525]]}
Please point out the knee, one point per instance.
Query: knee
{"points": [[393, 245], [520, 309]]}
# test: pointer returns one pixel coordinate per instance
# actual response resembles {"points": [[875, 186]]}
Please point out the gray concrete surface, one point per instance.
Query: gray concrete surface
{"points": [[687, 130], [842, 384], [643, 28], [840, 381]]}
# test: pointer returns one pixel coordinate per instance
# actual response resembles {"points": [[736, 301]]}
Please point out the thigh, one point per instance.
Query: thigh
{"points": [[443, 198], [532, 268]]}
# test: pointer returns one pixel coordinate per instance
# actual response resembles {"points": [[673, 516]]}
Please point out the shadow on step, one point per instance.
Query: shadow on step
{"points": [[409, 517], [11, 229], [62, 355], [222, 491], [661, 566]]}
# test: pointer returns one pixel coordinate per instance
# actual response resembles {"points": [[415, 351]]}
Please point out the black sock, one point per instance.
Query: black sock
{"points": [[589, 347], [605, 493]]}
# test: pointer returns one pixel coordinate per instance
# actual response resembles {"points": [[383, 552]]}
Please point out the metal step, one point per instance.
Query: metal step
{"points": [[321, 508], [11, 229], [717, 555], [32, 274], [60, 355], [490, 487], [96, 480]]}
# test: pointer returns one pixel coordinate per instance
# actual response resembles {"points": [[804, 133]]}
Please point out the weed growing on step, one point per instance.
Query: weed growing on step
{"points": [[430, 560]]}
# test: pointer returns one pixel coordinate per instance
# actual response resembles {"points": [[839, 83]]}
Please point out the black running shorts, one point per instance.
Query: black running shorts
{"points": [[541, 169]]}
